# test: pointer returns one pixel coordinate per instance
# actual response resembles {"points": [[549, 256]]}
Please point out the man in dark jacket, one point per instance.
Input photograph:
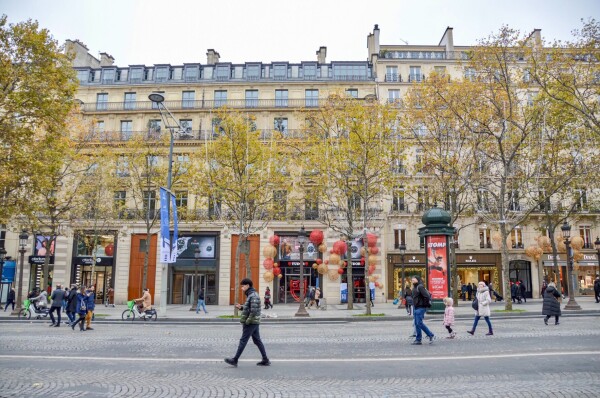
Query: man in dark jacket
{"points": [[596, 289], [522, 290], [57, 298], [250, 320], [72, 303], [10, 299], [514, 292], [421, 301]]}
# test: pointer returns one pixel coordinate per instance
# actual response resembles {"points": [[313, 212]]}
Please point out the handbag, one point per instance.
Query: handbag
{"points": [[475, 304], [395, 302]]}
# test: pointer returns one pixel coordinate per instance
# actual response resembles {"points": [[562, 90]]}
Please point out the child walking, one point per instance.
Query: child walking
{"points": [[449, 317]]}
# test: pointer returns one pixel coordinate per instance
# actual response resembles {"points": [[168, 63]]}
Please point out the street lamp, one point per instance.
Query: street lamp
{"points": [[597, 244], [572, 304], [402, 249], [23, 238], [196, 282], [159, 99], [301, 240]]}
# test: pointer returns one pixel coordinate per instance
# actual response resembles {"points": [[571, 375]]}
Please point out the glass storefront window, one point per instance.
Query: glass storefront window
{"points": [[101, 245]]}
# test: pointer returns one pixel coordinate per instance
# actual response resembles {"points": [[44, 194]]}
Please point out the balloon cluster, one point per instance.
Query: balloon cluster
{"points": [[270, 252]]}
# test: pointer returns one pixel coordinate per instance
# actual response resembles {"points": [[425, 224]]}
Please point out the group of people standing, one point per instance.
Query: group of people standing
{"points": [[76, 301]]}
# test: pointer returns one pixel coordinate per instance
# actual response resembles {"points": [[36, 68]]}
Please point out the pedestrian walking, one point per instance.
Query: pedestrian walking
{"points": [[268, 298], [201, 302], [544, 287], [483, 308], [64, 302], [514, 292], [523, 291], [10, 299], [449, 317], [250, 319], [408, 301], [551, 305], [80, 310], [421, 301], [469, 292], [91, 305], [311, 297], [72, 303], [317, 296], [57, 297], [596, 289]]}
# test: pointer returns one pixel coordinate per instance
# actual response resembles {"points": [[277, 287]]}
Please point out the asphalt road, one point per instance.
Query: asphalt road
{"points": [[524, 358]]}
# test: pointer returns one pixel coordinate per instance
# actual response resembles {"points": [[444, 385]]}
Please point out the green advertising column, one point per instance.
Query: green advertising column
{"points": [[436, 233]]}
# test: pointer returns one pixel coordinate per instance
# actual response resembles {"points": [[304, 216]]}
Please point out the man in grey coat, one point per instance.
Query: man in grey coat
{"points": [[57, 298]]}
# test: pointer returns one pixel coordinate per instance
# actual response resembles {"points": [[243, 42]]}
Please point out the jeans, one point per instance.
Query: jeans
{"points": [[71, 316], [57, 309], [421, 327], [9, 302], [247, 332], [201, 304], [487, 319]]}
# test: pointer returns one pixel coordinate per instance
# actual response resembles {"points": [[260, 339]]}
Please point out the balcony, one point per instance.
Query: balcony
{"points": [[110, 107], [393, 77]]}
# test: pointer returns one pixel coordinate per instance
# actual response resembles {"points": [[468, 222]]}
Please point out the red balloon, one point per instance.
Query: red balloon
{"points": [[274, 240], [109, 249], [316, 237], [374, 250], [340, 247], [268, 263], [340, 271], [371, 240], [276, 271], [319, 261]]}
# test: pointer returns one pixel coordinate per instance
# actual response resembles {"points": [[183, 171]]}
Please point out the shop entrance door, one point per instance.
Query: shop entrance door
{"points": [[189, 287], [100, 282], [292, 288]]}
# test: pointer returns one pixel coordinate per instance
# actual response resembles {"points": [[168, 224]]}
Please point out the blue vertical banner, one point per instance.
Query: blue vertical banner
{"points": [[175, 231], [165, 238]]}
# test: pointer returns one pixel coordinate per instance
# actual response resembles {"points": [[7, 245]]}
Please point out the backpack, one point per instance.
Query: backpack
{"points": [[82, 305]]}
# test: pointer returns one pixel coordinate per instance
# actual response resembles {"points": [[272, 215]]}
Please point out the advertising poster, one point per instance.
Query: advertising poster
{"points": [[41, 245], [289, 249], [437, 266], [186, 247], [168, 251]]}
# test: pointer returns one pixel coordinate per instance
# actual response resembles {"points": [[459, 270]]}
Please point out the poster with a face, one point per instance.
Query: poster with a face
{"points": [[289, 249], [354, 246], [437, 266], [41, 245]]}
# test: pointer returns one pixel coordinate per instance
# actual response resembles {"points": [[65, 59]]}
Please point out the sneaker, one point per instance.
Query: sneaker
{"points": [[264, 362], [546, 321], [231, 361], [471, 332], [431, 338], [416, 342], [413, 335]]}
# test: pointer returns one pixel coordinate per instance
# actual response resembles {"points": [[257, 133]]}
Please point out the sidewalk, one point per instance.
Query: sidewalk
{"points": [[334, 312]]}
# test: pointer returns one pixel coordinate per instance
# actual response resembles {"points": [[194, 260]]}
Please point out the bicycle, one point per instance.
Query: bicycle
{"points": [[132, 312]]}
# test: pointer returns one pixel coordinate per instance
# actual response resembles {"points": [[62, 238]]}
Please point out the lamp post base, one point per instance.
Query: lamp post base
{"points": [[572, 305], [302, 311]]}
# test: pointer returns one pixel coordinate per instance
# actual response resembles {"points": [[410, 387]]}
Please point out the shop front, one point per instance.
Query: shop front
{"points": [[197, 266], [93, 262], [288, 286], [413, 264], [475, 267], [586, 271]]}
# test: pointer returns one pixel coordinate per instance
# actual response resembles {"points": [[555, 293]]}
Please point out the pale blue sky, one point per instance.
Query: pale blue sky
{"points": [[177, 31]]}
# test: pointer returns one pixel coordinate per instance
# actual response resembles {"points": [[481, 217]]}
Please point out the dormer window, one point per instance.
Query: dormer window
{"points": [[280, 72], [223, 72], [108, 76], [136, 74], [162, 74], [253, 72]]}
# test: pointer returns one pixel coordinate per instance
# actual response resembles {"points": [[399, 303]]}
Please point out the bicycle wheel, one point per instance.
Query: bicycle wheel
{"points": [[154, 317], [24, 314], [128, 315]]}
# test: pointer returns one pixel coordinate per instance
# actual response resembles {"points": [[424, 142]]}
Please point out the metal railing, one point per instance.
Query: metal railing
{"points": [[203, 104], [220, 79]]}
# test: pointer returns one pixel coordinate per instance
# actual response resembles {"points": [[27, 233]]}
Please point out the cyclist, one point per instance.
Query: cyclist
{"points": [[144, 302]]}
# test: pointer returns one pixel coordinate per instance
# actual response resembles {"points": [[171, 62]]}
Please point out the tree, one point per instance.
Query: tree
{"points": [[352, 146], [37, 86], [141, 167], [239, 171], [568, 73], [445, 158]]}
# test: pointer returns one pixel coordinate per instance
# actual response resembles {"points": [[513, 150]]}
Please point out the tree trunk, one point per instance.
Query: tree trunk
{"points": [[349, 279], [505, 268], [455, 294], [367, 287], [238, 252], [146, 259]]}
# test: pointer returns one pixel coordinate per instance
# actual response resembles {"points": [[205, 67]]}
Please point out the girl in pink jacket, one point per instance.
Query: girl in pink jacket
{"points": [[449, 316]]}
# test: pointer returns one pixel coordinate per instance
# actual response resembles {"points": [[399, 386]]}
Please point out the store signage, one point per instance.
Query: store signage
{"points": [[414, 260], [470, 260], [88, 260], [40, 260]]}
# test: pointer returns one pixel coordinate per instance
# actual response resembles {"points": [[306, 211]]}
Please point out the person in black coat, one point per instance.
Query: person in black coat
{"points": [[597, 289], [469, 292], [522, 290], [72, 303], [10, 299], [551, 306]]}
